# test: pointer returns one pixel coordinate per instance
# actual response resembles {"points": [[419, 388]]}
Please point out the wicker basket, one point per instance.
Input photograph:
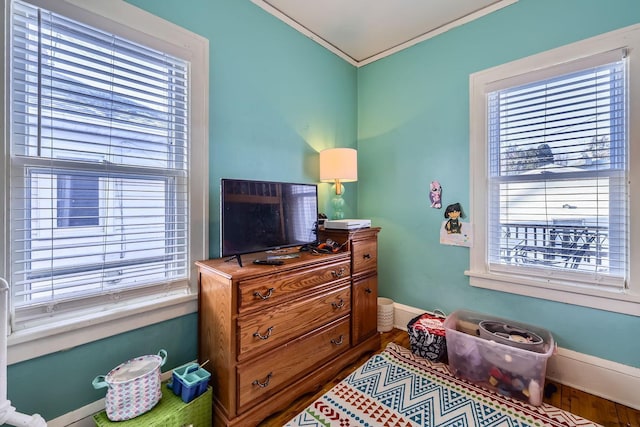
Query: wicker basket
{"points": [[133, 386]]}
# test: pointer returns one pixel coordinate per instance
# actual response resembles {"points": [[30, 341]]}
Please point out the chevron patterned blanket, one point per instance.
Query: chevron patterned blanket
{"points": [[395, 388]]}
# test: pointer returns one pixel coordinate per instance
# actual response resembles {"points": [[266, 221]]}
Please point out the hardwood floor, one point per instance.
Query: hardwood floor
{"points": [[602, 411]]}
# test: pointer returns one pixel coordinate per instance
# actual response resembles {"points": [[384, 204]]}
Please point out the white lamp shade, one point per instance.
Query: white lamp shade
{"points": [[339, 164]]}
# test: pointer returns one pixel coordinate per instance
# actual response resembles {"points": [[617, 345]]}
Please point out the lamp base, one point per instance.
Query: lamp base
{"points": [[338, 203]]}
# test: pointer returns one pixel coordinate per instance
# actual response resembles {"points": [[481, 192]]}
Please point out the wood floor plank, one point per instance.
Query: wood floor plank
{"points": [[565, 397], [554, 398], [588, 406], [601, 411], [628, 417]]}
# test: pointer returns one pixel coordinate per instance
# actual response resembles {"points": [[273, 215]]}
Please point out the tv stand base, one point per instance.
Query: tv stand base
{"points": [[237, 258]]}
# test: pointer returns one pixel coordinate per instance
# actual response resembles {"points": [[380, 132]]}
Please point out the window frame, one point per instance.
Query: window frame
{"points": [[140, 310], [555, 289]]}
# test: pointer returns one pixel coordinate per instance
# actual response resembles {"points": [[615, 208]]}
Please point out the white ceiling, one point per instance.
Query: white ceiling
{"points": [[362, 31]]}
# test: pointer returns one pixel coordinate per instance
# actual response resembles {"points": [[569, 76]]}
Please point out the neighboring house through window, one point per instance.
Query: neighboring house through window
{"points": [[551, 192], [78, 200]]}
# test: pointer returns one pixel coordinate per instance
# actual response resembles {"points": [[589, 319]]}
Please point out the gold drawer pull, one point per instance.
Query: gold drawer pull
{"points": [[366, 256], [338, 273], [265, 383], [267, 296], [264, 337], [339, 341], [338, 304]]}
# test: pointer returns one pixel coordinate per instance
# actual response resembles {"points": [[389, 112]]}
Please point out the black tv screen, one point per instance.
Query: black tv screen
{"points": [[262, 215]]}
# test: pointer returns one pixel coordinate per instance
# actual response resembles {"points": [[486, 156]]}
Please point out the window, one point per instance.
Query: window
{"points": [[550, 139], [106, 180], [77, 199], [303, 207]]}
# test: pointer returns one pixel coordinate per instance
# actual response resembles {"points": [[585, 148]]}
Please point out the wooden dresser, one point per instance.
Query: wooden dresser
{"points": [[362, 244], [273, 333]]}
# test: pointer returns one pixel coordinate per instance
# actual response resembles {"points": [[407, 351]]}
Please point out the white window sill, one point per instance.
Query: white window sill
{"points": [[623, 302], [36, 342]]}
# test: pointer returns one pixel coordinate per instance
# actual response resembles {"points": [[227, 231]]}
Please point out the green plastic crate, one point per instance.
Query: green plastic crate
{"points": [[170, 411]]}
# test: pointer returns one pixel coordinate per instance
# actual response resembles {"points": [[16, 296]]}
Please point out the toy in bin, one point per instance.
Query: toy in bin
{"points": [[427, 336], [189, 381], [510, 335]]}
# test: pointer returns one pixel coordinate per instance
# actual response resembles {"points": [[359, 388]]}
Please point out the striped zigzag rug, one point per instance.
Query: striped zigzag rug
{"points": [[395, 388]]}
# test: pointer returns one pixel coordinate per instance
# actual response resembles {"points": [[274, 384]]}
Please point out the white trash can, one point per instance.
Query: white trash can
{"points": [[385, 314]]}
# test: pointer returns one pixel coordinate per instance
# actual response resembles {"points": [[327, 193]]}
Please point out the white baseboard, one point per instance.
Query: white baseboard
{"points": [[604, 378], [600, 377], [402, 315], [81, 417]]}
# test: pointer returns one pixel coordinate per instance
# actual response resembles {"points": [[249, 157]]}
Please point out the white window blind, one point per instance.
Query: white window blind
{"points": [[99, 165], [558, 173]]}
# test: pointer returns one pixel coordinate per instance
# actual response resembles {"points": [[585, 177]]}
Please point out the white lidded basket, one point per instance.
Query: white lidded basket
{"points": [[133, 386]]}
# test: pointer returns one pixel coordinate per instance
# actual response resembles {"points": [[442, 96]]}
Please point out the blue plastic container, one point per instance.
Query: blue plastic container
{"points": [[189, 382]]}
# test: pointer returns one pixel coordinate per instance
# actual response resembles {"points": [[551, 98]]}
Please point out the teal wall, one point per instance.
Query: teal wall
{"points": [[413, 127], [276, 99]]}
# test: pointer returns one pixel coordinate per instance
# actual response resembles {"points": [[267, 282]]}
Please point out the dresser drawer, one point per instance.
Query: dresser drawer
{"points": [[259, 293], [365, 256], [261, 378], [280, 323]]}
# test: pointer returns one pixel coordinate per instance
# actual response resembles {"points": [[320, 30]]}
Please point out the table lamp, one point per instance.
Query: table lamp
{"points": [[338, 165]]}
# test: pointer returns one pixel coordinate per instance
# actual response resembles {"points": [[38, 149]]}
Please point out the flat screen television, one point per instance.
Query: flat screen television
{"points": [[263, 215]]}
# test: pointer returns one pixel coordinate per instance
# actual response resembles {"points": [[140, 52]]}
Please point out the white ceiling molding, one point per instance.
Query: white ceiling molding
{"points": [[364, 31]]}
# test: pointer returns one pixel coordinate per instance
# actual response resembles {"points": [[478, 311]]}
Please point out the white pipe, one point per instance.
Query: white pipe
{"points": [[8, 414]]}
